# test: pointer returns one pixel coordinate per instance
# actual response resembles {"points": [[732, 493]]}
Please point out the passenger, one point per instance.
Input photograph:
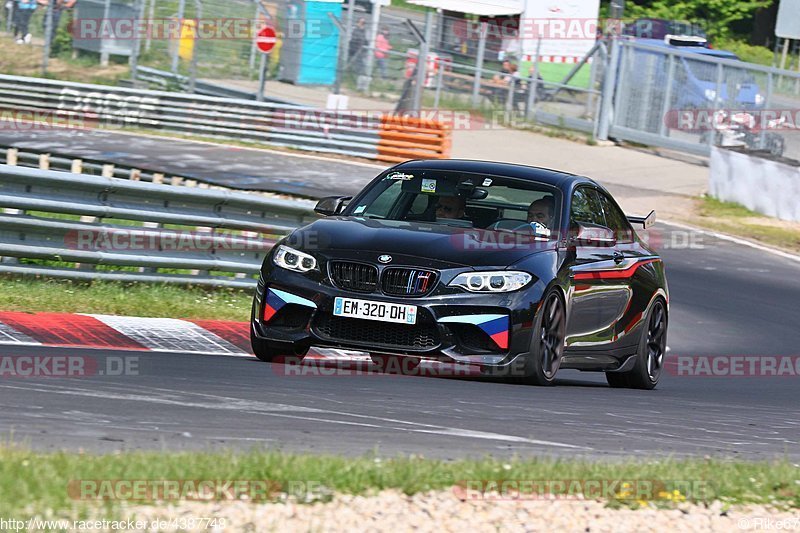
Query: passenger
{"points": [[542, 211], [450, 207]]}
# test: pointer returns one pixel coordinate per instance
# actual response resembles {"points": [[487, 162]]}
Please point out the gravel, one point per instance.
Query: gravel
{"points": [[443, 511]]}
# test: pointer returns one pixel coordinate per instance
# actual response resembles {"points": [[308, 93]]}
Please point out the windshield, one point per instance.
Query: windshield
{"points": [[460, 199]]}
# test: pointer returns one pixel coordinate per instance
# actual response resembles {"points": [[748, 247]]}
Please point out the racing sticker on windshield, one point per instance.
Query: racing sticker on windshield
{"points": [[428, 185], [487, 182], [400, 176]]}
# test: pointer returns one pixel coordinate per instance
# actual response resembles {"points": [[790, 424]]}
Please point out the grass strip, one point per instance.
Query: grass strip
{"points": [[735, 219], [131, 299], [37, 482]]}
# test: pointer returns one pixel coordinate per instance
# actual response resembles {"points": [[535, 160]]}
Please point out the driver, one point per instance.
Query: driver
{"points": [[450, 207], [542, 211]]}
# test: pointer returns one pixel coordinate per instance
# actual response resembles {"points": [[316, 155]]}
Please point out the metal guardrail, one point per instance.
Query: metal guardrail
{"points": [[370, 136], [88, 227], [99, 106]]}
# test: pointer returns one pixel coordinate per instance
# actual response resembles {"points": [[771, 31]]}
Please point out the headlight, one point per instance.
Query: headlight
{"points": [[711, 94], [292, 259], [502, 281], [760, 99]]}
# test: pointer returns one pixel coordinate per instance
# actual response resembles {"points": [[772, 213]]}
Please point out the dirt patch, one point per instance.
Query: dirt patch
{"points": [[444, 511], [26, 60]]}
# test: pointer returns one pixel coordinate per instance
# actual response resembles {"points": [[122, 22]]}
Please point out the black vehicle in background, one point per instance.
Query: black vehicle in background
{"points": [[518, 270]]}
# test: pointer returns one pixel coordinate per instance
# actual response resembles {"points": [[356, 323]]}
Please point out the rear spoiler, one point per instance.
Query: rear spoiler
{"points": [[646, 222]]}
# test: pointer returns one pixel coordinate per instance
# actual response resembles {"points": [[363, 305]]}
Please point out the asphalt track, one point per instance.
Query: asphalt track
{"points": [[227, 166], [726, 299]]}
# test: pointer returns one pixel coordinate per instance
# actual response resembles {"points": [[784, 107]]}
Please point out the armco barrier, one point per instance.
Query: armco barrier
{"points": [[135, 231], [304, 128], [762, 185]]}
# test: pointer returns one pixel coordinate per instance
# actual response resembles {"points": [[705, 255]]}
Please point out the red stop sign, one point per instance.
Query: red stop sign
{"points": [[265, 41]]}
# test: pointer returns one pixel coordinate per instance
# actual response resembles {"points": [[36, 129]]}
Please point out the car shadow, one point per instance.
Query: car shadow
{"points": [[295, 366]]}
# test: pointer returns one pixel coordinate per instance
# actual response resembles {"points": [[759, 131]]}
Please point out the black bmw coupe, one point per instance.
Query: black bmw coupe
{"points": [[518, 270]]}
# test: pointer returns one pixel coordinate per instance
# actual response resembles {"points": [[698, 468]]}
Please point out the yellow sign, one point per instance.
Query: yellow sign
{"points": [[186, 45]]}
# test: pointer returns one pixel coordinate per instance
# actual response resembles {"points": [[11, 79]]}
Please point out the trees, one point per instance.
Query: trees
{"points": [[716, 16]]}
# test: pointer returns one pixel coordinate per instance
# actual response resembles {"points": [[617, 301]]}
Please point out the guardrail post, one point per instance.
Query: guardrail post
{"points": [[136, 174], [76, 167], [44, 161], [158, 178], [11, 159], [108, 171], [150, 225]]}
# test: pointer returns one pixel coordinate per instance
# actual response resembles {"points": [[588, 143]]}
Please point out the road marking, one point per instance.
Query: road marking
{"points": [[170, 335], [226, 403]]}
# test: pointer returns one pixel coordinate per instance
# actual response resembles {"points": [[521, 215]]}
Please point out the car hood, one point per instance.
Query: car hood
{"points": [[435, 245]]}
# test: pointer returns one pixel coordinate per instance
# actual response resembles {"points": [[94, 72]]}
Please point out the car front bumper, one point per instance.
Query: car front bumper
{"points": [[492, 330]]}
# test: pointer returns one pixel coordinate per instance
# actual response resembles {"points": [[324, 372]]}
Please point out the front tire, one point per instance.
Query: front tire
{"points": [[547, 345], [650, 356]]}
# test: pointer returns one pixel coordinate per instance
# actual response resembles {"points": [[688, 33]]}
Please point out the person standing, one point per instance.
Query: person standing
{"points": [[59, 6], [23, 10], [358, 40], [382, 48]]}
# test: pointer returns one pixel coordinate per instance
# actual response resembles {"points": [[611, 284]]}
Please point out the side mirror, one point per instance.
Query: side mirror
{"points": [[594, 235], [331, 205]]}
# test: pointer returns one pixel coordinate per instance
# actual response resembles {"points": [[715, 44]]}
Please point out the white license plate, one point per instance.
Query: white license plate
{"points": [[381, 311]]}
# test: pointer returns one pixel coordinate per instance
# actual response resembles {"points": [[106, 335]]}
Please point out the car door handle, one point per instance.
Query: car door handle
{"points": [[618, 257]]}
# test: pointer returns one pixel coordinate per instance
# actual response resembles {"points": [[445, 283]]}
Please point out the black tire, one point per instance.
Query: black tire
{"points": [[649, 363], [775, 144], [270, 351], [547, 344]]}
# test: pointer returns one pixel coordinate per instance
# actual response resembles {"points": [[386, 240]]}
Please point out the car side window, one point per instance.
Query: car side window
{"points": [[382, 205], [586, 207], [616, 220]]}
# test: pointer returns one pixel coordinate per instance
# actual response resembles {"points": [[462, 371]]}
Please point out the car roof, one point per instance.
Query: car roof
{"points": [[700, 50], [556, 178]]}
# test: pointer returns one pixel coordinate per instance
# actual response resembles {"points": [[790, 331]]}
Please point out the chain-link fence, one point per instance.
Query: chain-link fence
{"points": [[689, 100], [642, 90]]}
